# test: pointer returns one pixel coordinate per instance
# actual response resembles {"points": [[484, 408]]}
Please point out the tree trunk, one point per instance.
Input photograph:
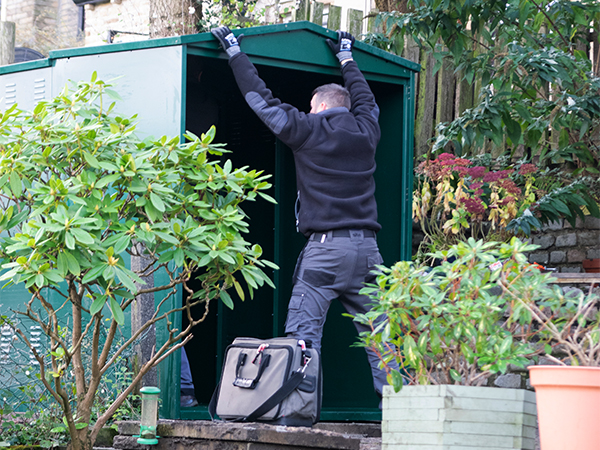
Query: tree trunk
{"points": [[174, 17]]}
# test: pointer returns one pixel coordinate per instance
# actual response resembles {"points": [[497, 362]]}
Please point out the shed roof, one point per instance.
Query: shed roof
{"points": [[295, 45]]}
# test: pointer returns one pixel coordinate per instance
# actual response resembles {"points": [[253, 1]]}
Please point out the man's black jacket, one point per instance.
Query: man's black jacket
{"points": [[334, 150]]}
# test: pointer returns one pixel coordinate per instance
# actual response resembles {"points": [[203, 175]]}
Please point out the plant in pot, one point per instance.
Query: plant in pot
{"points": [[568, 393], [449, 329]]}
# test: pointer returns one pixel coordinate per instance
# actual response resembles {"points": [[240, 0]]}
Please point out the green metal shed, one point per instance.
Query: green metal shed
{"points": [[293, 59]]}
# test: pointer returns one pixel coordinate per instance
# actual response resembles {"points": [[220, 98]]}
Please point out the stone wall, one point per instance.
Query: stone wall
{"points": [[564, 247], [44, 25], [130, 16]]}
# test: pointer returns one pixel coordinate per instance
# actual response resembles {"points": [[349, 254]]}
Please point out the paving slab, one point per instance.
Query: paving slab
{"points": [[207, 435]]}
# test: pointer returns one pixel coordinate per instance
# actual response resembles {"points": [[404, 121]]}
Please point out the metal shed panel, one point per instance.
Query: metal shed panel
{"points": [[148, 80]]}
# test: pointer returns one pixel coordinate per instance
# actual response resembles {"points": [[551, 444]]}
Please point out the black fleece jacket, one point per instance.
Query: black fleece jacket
{"points": [[334, 150]]}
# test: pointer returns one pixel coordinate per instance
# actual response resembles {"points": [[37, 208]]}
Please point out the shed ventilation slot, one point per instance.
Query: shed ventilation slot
{"points": [[39, 89], [10, 96]]}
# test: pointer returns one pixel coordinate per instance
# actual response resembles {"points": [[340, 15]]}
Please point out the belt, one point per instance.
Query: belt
{"points": [[321, 236]]}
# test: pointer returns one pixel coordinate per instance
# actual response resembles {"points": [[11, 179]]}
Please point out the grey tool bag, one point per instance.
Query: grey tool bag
{"points": [[277, 381]]}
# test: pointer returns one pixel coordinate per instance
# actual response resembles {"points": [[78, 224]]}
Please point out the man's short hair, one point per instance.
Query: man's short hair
{"points": [[333, 95]]}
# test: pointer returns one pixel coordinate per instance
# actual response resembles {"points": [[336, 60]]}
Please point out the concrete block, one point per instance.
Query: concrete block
{"points": [[544, 241], [404, 414], [413, 438], [592, 223], [577, 269], [539, 257], [575, 255], [508, 380], [415, 426], [476, 440], [488, 429], [593, 253], [558, 257], [566, 240], [589, 238]]}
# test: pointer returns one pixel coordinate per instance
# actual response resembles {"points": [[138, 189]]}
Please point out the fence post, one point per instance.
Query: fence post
{"points": [[445, 95], [316, 13], [7, 43], [354, 22], [425, 104], [334, 18], [303, 10]]}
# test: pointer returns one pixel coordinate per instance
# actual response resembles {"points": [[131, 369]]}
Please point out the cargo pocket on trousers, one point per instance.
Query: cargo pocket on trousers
{"points": [[294, 316], [372, 263], [318, 278]]}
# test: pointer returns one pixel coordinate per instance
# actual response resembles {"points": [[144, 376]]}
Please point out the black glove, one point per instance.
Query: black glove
{"points": [[343, 47], [228, 41]]}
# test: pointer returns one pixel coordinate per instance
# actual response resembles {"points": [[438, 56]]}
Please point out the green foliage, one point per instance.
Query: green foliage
{"points": [[452, 324], [232, 13], [456, 198], [79, 194], [539, 88], [30, 420], [569, 325]]}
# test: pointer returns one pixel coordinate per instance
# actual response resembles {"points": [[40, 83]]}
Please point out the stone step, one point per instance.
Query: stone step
{"points": [[207, 435]]}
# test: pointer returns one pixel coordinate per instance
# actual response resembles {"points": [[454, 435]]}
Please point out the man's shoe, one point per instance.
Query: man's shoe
{"points": [[188, 401]]}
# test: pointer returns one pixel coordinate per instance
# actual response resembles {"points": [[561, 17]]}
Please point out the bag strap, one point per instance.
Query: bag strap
{"points": [[277, 397]]}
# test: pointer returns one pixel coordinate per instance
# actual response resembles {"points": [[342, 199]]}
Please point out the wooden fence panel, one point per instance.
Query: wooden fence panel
{"points": [[354, 22], [316, 13], [334, 18]]}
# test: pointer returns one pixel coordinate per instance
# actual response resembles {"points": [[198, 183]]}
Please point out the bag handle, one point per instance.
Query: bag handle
{"points": [[248, 383]]}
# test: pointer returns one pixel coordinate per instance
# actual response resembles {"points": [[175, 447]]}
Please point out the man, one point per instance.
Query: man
{"points": [[334, 151]]}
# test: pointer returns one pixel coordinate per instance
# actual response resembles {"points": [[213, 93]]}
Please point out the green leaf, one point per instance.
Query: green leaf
{"points": [[107, 180], [397, 380], [81, 425], [62, 263], [157, 202], [91, 160], [238, 289], [15, 184], [73, 264], [226, 298], [455, 375], [98, 304], [82, 236], [125, 279], [122, 244], [117, 312], [69, 240], [93, 273]]}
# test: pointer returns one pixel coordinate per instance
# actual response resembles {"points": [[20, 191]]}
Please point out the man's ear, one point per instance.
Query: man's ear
{"points": [[322, 107]]}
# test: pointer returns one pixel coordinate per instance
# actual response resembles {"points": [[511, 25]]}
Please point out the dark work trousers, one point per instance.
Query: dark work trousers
{"points": [[187, 384], [332, 266]]}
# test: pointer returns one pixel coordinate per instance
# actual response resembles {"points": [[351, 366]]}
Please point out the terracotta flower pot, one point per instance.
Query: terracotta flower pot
{"points": [[591, 265], [568, 404]]}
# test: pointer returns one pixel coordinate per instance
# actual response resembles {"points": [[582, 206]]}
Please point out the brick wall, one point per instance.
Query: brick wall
{"points": [[565, 247], [128, 15], [44, 25]]}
